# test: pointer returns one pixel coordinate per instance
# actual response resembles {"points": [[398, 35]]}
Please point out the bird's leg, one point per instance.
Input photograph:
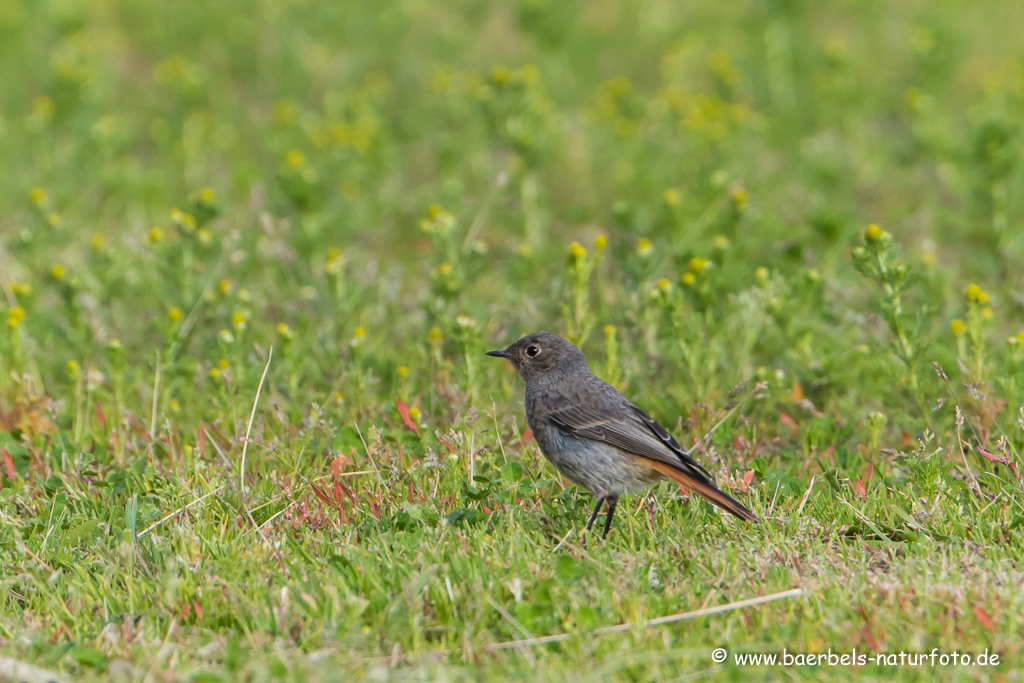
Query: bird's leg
{"points": [[613, 501], [597, 509]]}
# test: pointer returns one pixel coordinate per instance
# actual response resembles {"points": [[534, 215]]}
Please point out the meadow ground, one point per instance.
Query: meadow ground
{"points": [[800, 222]]}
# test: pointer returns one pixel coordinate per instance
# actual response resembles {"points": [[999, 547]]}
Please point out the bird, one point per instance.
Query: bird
{"points": [[594, 436]]}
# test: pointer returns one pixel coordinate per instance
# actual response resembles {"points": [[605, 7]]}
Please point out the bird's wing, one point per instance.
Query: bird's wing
{"points": [[629, 429]]}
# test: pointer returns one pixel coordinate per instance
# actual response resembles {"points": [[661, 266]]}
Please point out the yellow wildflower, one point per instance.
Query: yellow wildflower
{"points": [[956, 326], [644, 247], [15, 315]]}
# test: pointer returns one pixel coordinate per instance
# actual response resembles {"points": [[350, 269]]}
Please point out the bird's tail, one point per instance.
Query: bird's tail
{"points": [[705, 489]]}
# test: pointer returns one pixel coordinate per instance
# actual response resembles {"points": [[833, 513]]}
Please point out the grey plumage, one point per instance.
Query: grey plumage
{"points": [[595, 437]]}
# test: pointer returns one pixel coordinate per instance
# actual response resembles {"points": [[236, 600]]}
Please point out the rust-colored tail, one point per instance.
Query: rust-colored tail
{"points": [[705, 489]]}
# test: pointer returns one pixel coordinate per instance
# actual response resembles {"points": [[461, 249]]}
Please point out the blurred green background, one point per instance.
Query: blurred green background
{"points": [[823, 198]]}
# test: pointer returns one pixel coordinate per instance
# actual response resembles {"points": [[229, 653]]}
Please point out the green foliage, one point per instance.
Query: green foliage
{"points": [[383, 191]]}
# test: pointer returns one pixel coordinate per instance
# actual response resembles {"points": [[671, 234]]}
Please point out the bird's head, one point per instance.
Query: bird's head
{"points": [[542, 354]]}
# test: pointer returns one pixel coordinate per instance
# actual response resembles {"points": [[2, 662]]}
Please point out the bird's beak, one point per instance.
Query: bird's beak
{"points": [[499, 354]]}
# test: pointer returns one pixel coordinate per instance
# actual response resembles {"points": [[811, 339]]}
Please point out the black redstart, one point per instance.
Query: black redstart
{"points": [[594, 436]]}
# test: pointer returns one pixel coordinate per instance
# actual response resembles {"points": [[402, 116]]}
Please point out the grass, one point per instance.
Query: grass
{"points": [[252, 255]]}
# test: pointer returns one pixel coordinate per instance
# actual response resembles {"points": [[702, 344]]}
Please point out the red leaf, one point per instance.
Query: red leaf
{"points": [[486, 509], [323, 496], [527, 435], [747, 478], [984, 618], [100, 417], [994, 458], [403, 410], [859, 488], [8, 463], [788, 421], [198, 608]]}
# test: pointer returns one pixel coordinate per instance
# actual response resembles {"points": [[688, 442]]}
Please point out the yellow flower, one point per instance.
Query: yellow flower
{"points": [[435, 334], [358, 333], [238, 320], [283, 328], [697, 265], [672, 196], [414, 413], [222, 364], [402, 371], [96, 241], [928, 258], [721, 242], [294, 159], [226, 336], [739, 196], [600, 242], [15, 315], [986, 313], [663, 284], [57, 272], [174, 315], [21, 288], [72, 366], [975, 294], [215, 372], [956, 326], [577, 250], [54, 219], [525, 249], [1020, 336], [872, 233], [644, 247], [687, 279], [174, 405], [155, 234], [434, 210], [224, 286], [37, 196], [207, 195], [445, 269], [609, 329]]}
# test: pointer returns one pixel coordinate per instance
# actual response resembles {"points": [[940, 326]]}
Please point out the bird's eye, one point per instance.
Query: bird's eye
{"points": [[532, 351]]}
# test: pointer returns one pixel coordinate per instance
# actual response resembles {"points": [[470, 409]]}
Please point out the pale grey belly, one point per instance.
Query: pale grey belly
{"points": [[601, 469]]}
